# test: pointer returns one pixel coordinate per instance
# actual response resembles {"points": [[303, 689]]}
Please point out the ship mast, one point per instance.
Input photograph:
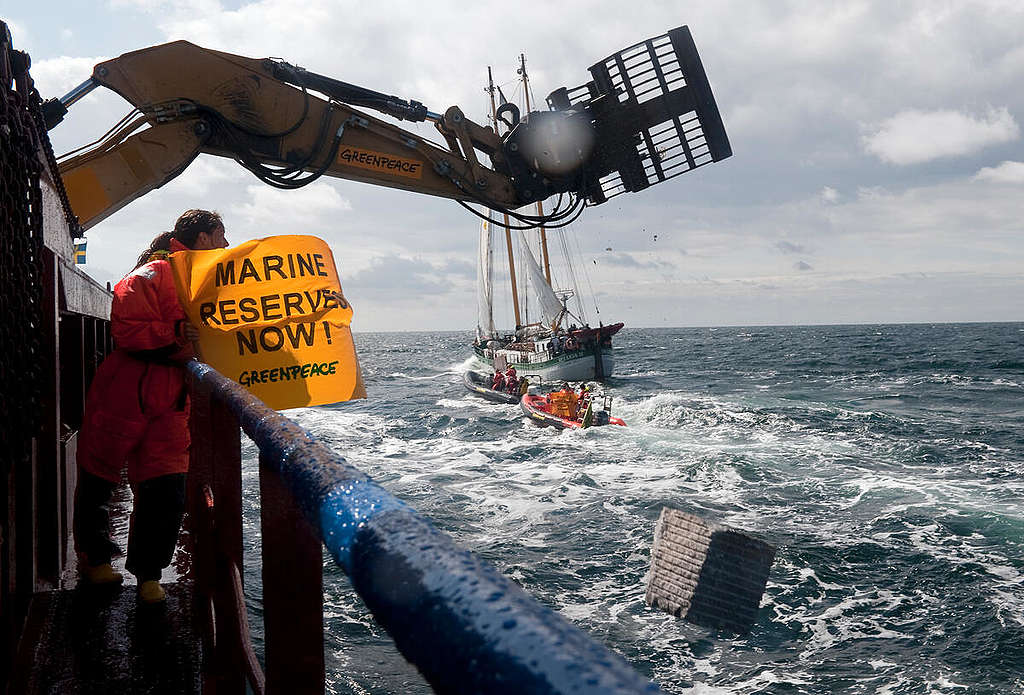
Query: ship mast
{"points": [[540, 205], [508, 231]]}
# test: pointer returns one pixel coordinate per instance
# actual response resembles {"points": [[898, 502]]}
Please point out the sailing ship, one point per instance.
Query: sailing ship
{"points": [[560, 344]]}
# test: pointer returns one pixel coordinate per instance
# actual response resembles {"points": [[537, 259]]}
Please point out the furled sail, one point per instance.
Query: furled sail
{"points": [[550, 306], [485, 284]]}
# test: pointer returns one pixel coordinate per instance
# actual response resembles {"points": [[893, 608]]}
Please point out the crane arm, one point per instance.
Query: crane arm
{"points": [[647, 115], [196, 100]]}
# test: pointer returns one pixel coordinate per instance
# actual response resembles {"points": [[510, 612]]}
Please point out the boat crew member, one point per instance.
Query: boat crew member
{"points": [[563, 402], [511, 380], [136, 415], [498, 381], [583, 400]]}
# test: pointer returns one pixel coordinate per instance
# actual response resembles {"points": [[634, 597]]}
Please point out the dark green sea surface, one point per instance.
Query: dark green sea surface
{"points": [[885, 462]]}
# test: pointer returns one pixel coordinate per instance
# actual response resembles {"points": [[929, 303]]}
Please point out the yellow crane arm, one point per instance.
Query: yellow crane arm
{"points": [[646, 116], [196, 100], [101, 183]]}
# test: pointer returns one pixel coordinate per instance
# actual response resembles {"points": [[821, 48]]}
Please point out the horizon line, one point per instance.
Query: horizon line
{"points": [[742, 325]]}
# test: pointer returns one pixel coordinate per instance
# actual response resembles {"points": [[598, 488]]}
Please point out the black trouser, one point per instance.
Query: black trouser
{"points": [[155, 522]]}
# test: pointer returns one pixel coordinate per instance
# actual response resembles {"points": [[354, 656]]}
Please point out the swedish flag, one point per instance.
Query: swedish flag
{"points": [[80, 252]]}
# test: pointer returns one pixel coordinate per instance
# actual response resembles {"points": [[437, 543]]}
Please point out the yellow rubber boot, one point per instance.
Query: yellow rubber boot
{"points": [[150, 591], [101, 574]]}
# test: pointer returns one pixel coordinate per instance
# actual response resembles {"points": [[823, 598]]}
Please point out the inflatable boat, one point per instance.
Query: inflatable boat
{"points": [[480, 384], [539, 410]]}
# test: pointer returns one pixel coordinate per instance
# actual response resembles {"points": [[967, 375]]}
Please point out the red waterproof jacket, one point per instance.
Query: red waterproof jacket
{"points": [[136, 414]]}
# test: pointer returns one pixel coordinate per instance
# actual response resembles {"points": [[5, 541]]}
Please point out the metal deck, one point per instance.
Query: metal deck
{"points": [[89, 640]]}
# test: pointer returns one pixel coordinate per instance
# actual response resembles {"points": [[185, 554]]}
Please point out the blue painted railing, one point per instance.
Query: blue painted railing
{"points": [[465, 626]]}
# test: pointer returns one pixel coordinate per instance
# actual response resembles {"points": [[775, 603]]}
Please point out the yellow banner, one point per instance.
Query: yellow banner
{"points": [[269, 319]]}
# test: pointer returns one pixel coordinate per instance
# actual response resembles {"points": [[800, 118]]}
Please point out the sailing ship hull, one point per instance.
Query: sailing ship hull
{"points": [[579, 366], [581, 354]]}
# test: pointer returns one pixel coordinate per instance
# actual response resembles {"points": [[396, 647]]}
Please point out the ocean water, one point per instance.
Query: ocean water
{"points": [[886, 463]]}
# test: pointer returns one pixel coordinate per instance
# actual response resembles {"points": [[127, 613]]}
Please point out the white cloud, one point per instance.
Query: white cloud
{"points": [[197, 7], [205, 172], [829, 195], [790, 247], [57, 76], [913, 137], [1007, 172], [291, 212]]}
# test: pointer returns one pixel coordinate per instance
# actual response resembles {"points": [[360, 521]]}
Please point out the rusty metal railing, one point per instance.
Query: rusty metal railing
{"points": [[464, 625]]}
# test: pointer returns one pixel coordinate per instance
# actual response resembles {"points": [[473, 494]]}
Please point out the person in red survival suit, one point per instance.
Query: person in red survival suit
{"points": [[498, 381], [136, 415], [511, 380]]}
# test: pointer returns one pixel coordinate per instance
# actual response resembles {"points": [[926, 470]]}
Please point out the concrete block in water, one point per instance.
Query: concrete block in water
{"points": [[706, 573]]}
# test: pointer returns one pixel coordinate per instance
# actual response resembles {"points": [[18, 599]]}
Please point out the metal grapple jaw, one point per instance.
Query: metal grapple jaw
{"points": [[647, 115]]}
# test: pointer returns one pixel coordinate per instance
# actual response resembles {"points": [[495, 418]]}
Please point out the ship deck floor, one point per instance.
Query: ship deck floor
{"points": [[82, 639], [103, 640]]}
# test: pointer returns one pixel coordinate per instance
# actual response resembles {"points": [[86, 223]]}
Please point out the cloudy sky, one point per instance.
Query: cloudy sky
{"points": [[877, 174]]}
